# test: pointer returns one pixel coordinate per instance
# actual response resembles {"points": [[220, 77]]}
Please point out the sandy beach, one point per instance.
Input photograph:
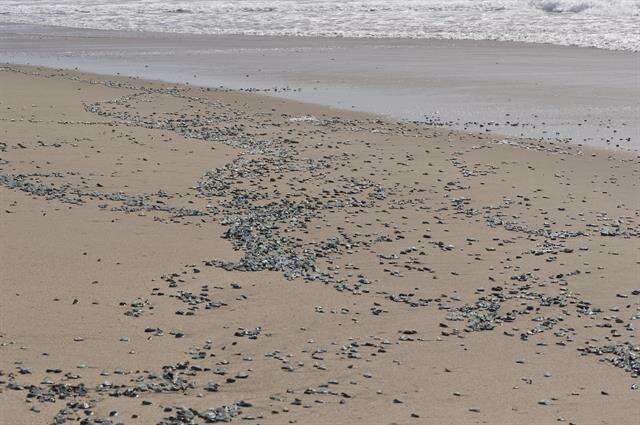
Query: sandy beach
{"points": [[175, 255]]}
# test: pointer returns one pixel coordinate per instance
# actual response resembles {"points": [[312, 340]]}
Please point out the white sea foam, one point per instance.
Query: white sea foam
{"points": [[608, 24]]}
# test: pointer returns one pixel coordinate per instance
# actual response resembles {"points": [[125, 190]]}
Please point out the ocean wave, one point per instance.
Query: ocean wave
{"points": [[179, 10], [259, 9], [607, 24], [561, 6], [599, 7]]}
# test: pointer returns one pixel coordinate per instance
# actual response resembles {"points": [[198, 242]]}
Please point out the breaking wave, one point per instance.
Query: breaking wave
{"points": [[607, 24], [560, 6]]}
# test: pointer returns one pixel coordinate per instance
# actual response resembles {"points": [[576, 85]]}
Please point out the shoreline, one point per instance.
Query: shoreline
{"points": [[551, 145], [586, 106]]}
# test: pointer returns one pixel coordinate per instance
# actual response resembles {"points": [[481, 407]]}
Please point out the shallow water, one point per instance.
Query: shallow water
{"points": [[588, 95]]}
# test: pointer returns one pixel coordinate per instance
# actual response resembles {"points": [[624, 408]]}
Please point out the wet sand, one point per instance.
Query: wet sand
{"points": [[176, 255], [542, 91]]}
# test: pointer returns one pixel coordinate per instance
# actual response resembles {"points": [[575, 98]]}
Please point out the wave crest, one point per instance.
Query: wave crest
{"points": [[561, 6]]}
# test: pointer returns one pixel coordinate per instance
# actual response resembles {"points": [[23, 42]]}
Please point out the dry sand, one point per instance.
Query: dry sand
{"points": [[167, 248]]}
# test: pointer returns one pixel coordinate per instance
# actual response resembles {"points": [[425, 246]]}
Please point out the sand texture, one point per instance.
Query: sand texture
{"points": [[177, 255]]}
